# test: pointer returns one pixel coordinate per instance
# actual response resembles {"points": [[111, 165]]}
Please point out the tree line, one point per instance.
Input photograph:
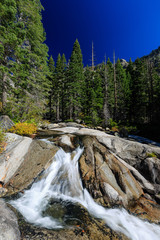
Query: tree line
{"points": [[127, 95], [33, 87]]}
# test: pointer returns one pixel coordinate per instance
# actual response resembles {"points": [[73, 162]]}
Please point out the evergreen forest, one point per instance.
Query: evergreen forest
{"points": [[34, 86]]}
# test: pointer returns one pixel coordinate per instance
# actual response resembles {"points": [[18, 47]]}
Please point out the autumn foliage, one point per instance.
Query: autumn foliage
{"points": [[24, 128], [2, 142]]}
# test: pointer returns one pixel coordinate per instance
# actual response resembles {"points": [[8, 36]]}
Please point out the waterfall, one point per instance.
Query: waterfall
{"points": [[62, 181]]}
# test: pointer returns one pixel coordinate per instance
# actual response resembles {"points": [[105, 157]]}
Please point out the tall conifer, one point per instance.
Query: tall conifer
{"points": [[75, 81], [23, 58]]}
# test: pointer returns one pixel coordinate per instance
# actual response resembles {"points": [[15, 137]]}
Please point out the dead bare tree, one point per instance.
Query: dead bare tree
{"points": [[115, 86], [105, 106]]}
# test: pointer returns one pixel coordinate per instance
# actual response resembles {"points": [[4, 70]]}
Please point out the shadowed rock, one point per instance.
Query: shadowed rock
{"points": [[8, 223]]}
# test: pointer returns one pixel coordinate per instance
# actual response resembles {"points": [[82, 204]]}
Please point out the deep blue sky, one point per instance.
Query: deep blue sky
{"points": [[130, 27]]}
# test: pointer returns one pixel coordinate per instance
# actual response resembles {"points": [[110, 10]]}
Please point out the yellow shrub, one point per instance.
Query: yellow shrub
{"points": [[23, 128], [115, 129], [2, 141], [0, 106]]}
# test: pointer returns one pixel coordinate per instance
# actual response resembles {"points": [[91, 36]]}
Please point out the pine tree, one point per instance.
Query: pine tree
{"points": [[156, 99], [63, 92], [93, 97], [75, 81], [97, 98], [59, 87], [88, 95], [152, 83], [105, 85], [9, 41], [23, 58], [123, 92], [110, 88], [139, 91], [115, 87], [51, 76]]}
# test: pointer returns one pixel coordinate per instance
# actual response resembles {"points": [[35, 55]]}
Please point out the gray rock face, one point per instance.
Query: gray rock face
{"points": [[65, 142], [124, 63], [131, 152], [8, 223], [133, 155], [22, 161], [150, 167], [5, 122], [62, 125], [13, 156], [107, 179], [111, 193], [3, 191]]}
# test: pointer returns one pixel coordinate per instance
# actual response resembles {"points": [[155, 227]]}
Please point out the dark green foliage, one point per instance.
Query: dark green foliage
{"points": [[57, 98], [23, 56], [51, 77], [59, 90], [138, 92], [111, 100], [123, 92], [92, 97], [75, 82]]}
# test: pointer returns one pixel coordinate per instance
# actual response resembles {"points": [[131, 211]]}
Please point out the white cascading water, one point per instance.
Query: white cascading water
{"points": [[62, 181]]}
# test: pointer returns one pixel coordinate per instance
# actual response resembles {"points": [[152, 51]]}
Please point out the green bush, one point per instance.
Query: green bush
{"points": [[131, 129], [113, 124], [88, 120]]}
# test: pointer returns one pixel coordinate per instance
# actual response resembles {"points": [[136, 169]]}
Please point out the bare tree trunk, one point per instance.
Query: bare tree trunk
{"points": [[105, 106], [70, 111], [115, 87], [4, 90], [62, 102], [50, 106], [150, 90], [92, 57], [57, 110]]}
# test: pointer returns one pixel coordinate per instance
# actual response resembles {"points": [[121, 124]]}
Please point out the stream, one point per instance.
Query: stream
{"points": [[61, 183]]}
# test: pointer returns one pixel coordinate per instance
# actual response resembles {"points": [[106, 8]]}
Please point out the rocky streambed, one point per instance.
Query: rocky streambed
{"points": [[115, 171]]}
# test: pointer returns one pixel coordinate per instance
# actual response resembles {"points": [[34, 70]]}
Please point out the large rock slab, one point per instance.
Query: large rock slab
{"points": [[22, 161], [130, 151], [37, 158], [135, 154], [79, 131], [107, 179], [13, 156], [8, 223]]}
